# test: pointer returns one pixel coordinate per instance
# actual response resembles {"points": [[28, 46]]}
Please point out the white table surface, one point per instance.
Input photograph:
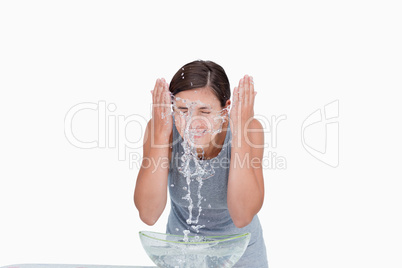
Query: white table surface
{"points": [[50, 265]]}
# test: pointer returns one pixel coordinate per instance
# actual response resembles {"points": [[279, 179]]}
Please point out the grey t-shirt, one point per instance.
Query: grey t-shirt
{"points": [[214, 217]]}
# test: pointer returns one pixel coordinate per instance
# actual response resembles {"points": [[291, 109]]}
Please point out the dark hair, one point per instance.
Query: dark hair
{"points": [[199, 74]]}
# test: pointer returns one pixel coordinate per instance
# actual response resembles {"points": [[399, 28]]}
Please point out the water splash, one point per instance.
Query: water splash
{"points": [[202, 169], [186, 232]]}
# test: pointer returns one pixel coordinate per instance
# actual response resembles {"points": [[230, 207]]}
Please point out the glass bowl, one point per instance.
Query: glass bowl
{"points": [[177, 251]]}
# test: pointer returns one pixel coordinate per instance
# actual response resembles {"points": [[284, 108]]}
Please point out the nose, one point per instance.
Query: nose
{"points": [[198, 124]]}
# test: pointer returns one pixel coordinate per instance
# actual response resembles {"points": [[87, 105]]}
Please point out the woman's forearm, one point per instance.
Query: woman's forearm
{"points": [[150, 194], [244, 196]]}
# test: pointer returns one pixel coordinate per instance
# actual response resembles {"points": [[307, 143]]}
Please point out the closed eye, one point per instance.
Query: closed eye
{"points": [[182, 109]]}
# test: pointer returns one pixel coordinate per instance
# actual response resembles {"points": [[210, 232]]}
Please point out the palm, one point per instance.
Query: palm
{"points": [[161, 110], [243, 101]]}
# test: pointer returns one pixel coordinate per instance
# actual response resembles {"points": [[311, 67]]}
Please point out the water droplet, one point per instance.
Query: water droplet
{"points": [[185, 232]]}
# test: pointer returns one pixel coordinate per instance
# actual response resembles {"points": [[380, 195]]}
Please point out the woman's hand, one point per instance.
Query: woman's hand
{"points": [[242, 111], [162, 121]]}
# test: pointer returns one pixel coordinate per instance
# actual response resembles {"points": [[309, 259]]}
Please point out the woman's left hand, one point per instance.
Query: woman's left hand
{"points": [[242, 111]]}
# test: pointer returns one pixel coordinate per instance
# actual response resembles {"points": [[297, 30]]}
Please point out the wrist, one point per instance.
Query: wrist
{"points": [[159, 142]]}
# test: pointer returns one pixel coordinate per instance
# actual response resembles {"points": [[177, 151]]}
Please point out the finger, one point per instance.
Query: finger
{"points": [[166, 98], [154, 98], [251, 91], [160, 92], [246, 89], [241, 90], [154, 91], [164, 101], [241, 97]]}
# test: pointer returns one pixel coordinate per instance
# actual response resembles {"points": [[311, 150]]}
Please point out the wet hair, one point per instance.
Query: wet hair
{"points": [[200, 74]]}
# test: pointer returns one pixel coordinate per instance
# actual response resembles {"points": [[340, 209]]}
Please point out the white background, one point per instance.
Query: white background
{"points": [[63, 204]]}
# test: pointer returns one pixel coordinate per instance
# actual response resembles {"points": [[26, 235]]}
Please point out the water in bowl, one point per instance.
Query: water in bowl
{"points": [[172, 251]]}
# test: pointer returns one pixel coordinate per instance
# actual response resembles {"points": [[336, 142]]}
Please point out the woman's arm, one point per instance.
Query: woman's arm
{"points": [[150, 193], [246, 184]]}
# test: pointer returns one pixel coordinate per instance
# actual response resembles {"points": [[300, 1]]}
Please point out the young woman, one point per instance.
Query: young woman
{"points": [[208, 158]]}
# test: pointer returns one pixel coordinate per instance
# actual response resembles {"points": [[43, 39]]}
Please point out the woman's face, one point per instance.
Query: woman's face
{"points": [[199, 116]]}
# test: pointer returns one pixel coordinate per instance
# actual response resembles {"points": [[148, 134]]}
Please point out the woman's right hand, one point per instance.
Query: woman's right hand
{"points": [[162, 121]]}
